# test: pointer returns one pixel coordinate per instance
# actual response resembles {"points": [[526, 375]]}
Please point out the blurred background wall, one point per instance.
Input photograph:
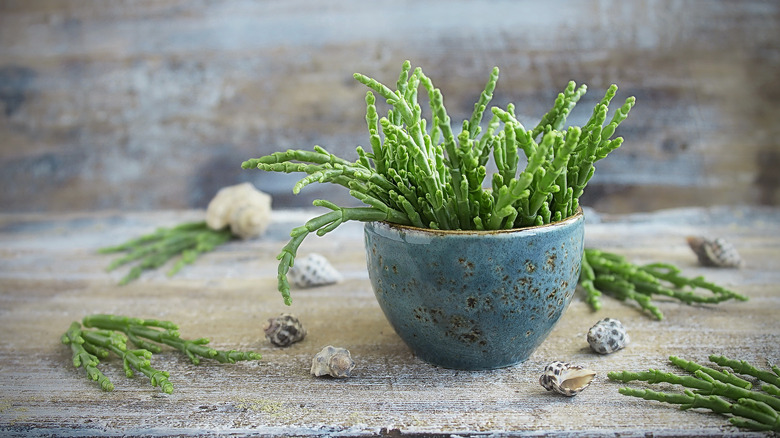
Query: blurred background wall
{"points": [[154, 104]]}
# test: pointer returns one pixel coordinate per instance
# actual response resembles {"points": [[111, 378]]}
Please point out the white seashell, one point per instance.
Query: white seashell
{"points": [[608, 336], [284, 330], [565, 378], [243, 207], [332, 361], [219, 209], [313, 270], [715, 252]]}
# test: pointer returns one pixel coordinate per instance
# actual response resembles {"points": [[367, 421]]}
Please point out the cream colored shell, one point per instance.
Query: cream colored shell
{"points": [[244, 208], [332, 361]]}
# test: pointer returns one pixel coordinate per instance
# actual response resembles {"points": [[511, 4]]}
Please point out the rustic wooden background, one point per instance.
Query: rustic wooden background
{"points": [[149, 104]]}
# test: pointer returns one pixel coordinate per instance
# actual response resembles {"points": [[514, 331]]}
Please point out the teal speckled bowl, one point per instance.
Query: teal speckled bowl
{"points": [[474, 300]]}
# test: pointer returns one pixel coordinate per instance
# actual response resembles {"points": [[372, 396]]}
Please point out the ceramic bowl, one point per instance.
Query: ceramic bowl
{"points": [[474, 299]]}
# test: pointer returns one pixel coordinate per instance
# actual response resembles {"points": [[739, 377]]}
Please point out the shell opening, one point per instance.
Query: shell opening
{"points": [[578, 380]]}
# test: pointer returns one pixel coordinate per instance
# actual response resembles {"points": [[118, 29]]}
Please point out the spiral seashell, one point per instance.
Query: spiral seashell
{"points": [[243, 207], [313, 270], [715, 252], [566, 379], [608, 336], [284, 330], [332, 361]]}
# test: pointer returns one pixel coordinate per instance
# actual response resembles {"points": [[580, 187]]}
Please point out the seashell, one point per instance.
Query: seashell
{"points": [[313, 270], [566, 379], [332, 361], [243, 207], [608, 336], [284, 330], [715, 252]]}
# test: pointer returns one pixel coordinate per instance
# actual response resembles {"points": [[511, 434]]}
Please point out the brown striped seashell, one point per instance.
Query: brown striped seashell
{"points": [[716, 252]]}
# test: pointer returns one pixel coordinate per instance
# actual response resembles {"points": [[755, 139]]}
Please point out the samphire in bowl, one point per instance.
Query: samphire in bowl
{"points": [[474, 300]]}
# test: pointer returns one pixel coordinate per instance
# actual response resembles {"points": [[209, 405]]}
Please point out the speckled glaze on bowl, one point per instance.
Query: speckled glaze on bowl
{"points": [[474, 300]]}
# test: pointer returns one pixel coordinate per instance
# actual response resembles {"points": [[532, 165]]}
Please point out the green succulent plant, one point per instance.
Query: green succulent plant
{"points": [[718, 391], [104, 335], [419, 172]]}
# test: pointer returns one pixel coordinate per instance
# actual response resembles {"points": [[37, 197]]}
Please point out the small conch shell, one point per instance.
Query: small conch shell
{"points": [[243, 207], [715, 252], [284, 330], [332, 361], [565, 378], [313, 270], [608, 336]]}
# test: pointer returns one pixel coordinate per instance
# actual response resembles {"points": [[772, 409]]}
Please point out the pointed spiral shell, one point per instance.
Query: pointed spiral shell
{"points": [[716, 252], [313, 270]]}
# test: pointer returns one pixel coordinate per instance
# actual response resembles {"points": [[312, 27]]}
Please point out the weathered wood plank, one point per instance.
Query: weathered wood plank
{"points": [[50, 276], [154, 104]]}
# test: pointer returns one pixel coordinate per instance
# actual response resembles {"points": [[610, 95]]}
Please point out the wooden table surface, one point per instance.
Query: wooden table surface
{"points": [[50, 275]]}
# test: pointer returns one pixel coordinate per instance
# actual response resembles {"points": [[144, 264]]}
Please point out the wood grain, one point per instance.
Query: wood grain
{"points": [[154, 104], [50, 275]]}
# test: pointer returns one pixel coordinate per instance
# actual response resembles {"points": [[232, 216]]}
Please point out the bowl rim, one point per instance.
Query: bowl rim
{"points": [[410, 228]]}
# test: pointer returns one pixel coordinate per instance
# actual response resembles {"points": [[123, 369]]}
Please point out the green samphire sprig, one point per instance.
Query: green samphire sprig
{"points": [[153, 250], [102, 335], [420, 172], [719, 391], [612, 274]]}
